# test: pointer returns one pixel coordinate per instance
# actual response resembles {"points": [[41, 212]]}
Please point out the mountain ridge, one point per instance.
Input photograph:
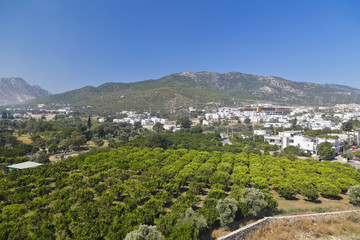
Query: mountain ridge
{"points": [[185, 89], [17, 90]]}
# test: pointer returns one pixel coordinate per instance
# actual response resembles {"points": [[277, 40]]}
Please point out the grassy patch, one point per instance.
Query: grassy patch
{"points": [[315, 209]]}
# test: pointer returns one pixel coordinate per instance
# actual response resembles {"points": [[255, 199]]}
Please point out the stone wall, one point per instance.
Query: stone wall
{"points": [[241, 233]]}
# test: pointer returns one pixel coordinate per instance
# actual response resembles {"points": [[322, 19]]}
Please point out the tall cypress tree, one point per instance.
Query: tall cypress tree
{"points": [[89, 122]]}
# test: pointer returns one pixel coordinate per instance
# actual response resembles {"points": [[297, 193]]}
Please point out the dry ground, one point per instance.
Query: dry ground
{"points": [[293, 207], [25, 138], [331, 228]]}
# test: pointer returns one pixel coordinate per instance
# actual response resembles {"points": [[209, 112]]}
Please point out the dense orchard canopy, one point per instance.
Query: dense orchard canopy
{"points": [[106, 194]]}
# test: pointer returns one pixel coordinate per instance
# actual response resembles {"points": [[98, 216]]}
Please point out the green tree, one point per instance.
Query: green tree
{"points": [[348, 155], [158, 127], [158, 141], [186, 231], [286, 190], [227, 209], [309, 191], [255, 201], [184, 122], [209, 211], [89, 122], [326, 150], [198, 220], [328, 189], [347, 126], [43, 158], [247, 120], [354, 194], [144, 232], [196, 129]]}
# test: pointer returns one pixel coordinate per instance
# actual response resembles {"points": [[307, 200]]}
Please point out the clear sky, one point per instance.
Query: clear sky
{"points": [[66, 44]]}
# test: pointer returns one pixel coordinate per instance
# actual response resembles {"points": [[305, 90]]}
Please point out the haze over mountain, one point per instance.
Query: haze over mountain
{"points": [[16, 90], [185, 89]]}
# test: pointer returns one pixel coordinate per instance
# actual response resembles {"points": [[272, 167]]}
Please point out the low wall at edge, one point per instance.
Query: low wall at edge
{"points": [[241, 233]]}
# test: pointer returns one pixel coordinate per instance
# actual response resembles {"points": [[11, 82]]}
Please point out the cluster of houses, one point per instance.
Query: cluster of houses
{"points": [[308, 144], [146, 121]]}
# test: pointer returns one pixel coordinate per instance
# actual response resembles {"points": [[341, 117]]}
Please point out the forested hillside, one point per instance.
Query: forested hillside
{"points": [[106, 194], [183, 90]]}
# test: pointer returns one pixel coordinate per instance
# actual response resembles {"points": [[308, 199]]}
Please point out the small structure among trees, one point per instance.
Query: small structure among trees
{"points": [[23, 165]]}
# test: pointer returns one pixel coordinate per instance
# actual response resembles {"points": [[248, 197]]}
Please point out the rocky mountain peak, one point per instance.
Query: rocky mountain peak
{"points": [[15, 90]]}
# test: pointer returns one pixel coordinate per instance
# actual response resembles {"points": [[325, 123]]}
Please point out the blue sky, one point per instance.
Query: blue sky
{"points": [[66, 44]]}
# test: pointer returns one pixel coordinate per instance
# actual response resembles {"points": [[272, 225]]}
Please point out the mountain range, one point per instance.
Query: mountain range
{"points": [[182, 90], [15, 90]]}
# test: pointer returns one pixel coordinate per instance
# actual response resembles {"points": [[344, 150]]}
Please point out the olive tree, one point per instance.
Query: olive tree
{"points": [[254, 200], [227, 209], [144, 232], [198, 220], [354, 194]]}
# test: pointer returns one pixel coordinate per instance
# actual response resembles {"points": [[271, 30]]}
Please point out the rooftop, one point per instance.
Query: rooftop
{"points": [[25, 165]]}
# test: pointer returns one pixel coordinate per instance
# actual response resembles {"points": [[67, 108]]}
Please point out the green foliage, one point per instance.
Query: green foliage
{"points": [[328, 189], [158, 141], [255, 201], [144, 232], [106, 194], [354, 194], [186, 231], [197, 220], [209, 211], [196, 129], [11, 147], [166, 223], [309, 191], [158, 127], [326, 150], [43, 158], [216, 193], [347, 126], [286, 190], [227, 209]]}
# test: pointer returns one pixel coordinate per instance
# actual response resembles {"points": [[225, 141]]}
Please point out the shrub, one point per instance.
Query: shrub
{"points": [[354, 194], [227, 209]]}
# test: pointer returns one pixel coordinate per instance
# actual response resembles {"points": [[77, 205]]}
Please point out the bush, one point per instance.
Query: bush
{"points": [[254, 200], [227, 209], [354, 194], [144, 232]]}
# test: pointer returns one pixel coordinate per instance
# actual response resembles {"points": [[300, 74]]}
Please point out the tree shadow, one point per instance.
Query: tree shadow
{"points": [[332, 197], [317, 201]]}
